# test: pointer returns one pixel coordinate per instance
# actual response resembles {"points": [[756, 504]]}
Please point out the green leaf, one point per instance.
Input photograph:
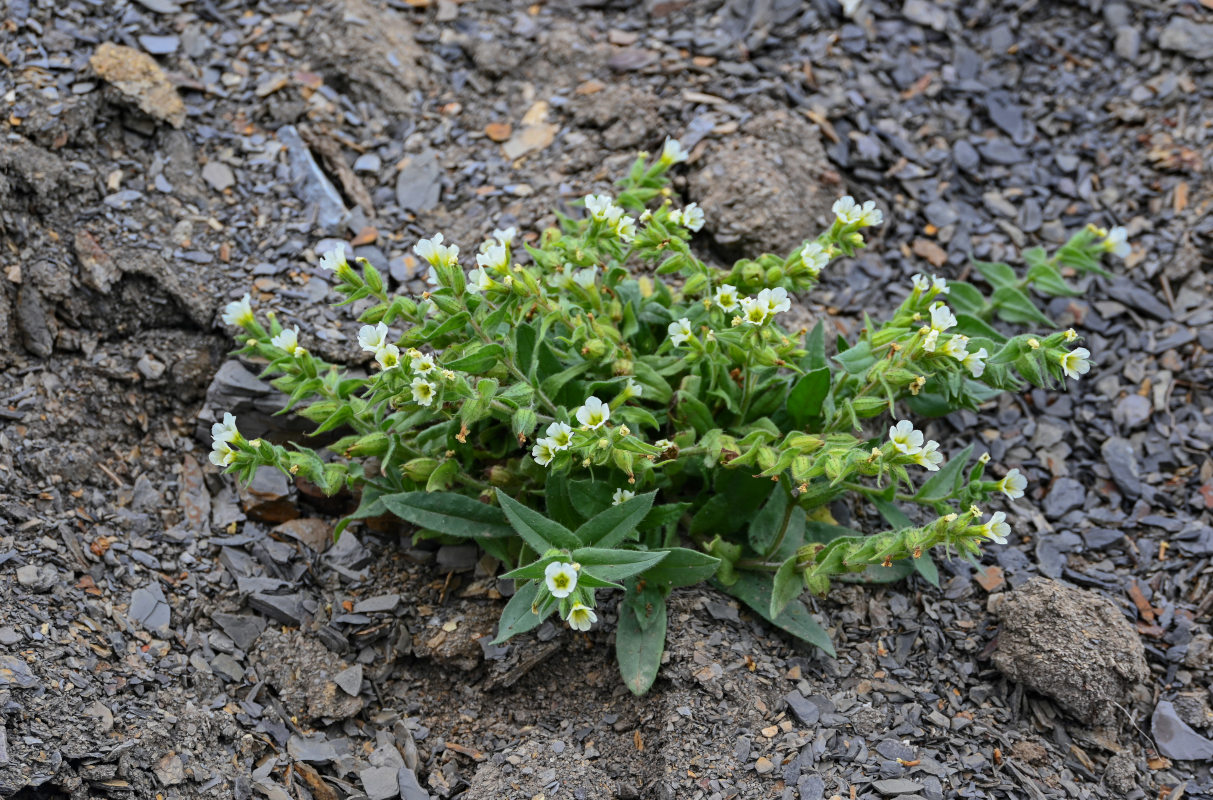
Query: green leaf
{"points": [[766, 524], [893, 515], [925, 566], [450, 326], [754, 589], [998, 274], [815, 347], [441, 478], [637, 648], [615, 565], [692, 411], [517, 616], [858, 359], [553, 384], [660, 516], [482, 359], [1015, 306], [682, 567], [541, 533], [965, 298], [1047, 279], [972, 326], [525, 338], [807, 394], [612, 526], [590, 497], [369, 505], [737, 497], [785, 587], [946, 482], [560, 506], [449, 513]]}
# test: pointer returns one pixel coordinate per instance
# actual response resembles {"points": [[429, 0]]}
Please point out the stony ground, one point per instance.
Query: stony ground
{"points": [[165, 635]]}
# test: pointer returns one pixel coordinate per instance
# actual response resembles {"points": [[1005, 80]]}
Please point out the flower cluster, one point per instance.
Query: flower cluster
{"points": [[602, 209], [560, 579], [908, 441], [374, 339], [223, 436]]}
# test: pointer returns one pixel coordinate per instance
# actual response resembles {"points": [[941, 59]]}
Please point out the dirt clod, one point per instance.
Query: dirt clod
{"points": [[140, 79]]}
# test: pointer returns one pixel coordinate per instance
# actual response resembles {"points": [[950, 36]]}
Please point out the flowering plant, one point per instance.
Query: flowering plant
{"points": [[595, 425]]}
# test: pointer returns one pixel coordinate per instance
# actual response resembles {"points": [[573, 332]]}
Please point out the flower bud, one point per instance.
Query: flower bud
{"points": [[420, 469], [752, 274], [446, 303], [774, 276], [622, 366], [595, 348]]}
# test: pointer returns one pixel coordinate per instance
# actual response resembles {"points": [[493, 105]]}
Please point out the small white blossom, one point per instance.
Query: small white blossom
{"points": [[672, 152], [625, 228], [560, 435], [754, 310], [870, 214], [422, 364], [905, 437], [634, 389], [600, 206], [622, 496], [921, 284], [222, 453], [996, 529], [435, 252], [561, 578], [238, 312], [934, 284], [225, 431], [663, 444], [585, 277], [581, 617], [849, 212], [680, 331], [388, 356], [929, 456], [814, 257], [1117, 242], [956, 347], [594, 413], [940, 285], [1076, 362], [504, 236], [975, 363], [288, 340], [479, 280], [423, 391], [543, 452], [1013, 484], [776, 300], [371, 338], [726, 297], [335, 260], [942, 318], [690, 217], [931, 339], [493, 256]]}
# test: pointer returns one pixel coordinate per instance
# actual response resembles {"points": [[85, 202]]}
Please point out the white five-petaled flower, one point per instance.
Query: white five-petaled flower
{"points": [[929, 456], [690, 217], [672, 152], [625, 227], [996, 529], [435, 252], [726, 297], [933, 284], [1013, 484], [560, 435], [222, 453], [776, 299], [663, 444], [585, 277], [594, 413], [975, 362], [754, 310], [222, 435], [633, 389], [288, 340], [905, 437], [505, 236], [423, 391], [388, 356], [1117, 242], [942, 318], [561, 578], [335, 260], [600, 206], [956, 347], [543, 452], [622, 496], [680, 331], [581, 617], [372, 337], [930, 340], [849, 212], [814, 257], [422, 364], [479, 280], [1076, 362], [494, 256], [238, 312]]}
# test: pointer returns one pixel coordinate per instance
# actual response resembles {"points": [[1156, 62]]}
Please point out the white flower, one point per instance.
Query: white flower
{"points": [[921, 284], [560, 436], [1013, 484], [585, 277], [956, 347], [600, 206], [940, 285], [372, 337], [422, 364], [504, 236], [222, 454], [594, 413], [1076, 362], [493, 256], [934, 284], [435, 252], [996, 529], [561, 578], [479, 280], [754, 310], [288, 340], [625, 228], [225, 431], [334, 260], [932, 338], [672, 152], [690, 217], [680, 331], [929, 456], [423, 391], [850, 213], [814, 257], [975, 362], [942, 318], [663, 444], [1117, 242], [622, 496], [633, 389], [870, 214], [905, 437], [388, 356], [543, 452], [776, 299], [726, 297], [581, 617], [238, 312]]}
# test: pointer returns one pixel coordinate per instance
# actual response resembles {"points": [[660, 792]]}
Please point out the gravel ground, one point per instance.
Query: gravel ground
{"points": [[164, 634]]}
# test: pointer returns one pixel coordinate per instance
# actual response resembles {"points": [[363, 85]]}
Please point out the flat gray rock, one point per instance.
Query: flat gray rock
{"points": [[419, 184]]}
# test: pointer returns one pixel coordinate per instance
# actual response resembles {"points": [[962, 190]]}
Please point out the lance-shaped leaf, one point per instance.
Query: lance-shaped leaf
{"points": [[615, 565], [541, 533], [449, 513], [638, 648], [612, 526]]}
